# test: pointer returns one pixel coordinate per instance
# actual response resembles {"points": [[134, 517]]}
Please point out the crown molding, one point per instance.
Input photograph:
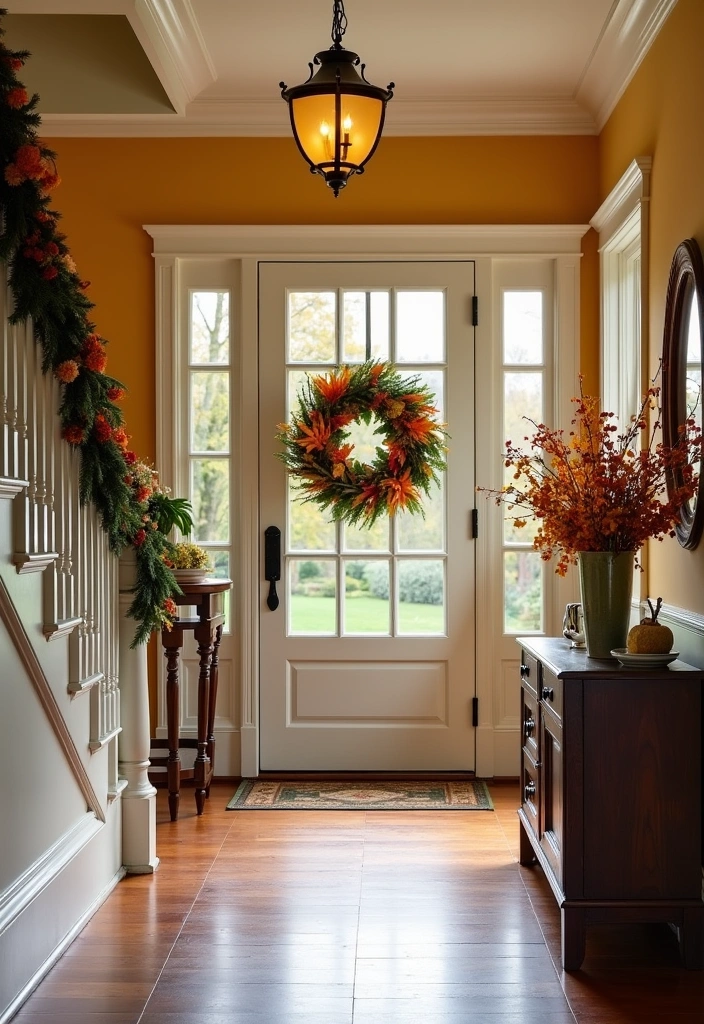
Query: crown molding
{"points": [[269, 118], [631, 189], [630, 32], [172, 41]]}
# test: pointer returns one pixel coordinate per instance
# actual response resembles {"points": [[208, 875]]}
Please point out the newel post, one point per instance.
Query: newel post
{"points": [[139, 797]]}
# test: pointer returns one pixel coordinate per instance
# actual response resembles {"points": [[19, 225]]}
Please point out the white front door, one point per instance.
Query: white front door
{"points": [[368, 663]]}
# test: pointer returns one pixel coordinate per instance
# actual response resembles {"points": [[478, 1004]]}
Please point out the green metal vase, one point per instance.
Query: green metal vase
{"points": [[606, 584]]}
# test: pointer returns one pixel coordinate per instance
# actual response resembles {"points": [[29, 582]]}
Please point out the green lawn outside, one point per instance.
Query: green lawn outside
{"points": [[363, 615]]}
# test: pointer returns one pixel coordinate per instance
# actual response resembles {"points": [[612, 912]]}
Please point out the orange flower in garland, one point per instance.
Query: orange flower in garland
{"points": [[93, 354], [410, 456], [103, 430], [73, 434], [17, 98], [67, 371], [598, 489]]}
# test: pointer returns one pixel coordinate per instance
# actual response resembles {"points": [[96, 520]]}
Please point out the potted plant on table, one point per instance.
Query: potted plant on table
{"points": [[188, 562], [596, 496]]}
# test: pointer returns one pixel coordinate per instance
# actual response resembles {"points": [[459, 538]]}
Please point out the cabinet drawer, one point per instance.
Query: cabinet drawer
{"points": [[530, 731], [551, 692], [530, 673], [530, 796]]}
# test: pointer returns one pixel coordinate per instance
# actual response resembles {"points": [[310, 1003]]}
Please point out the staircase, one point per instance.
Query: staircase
{"points": [[60, 794]]}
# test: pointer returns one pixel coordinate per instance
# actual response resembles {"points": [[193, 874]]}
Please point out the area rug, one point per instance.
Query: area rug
{"points": [[265, 795]]}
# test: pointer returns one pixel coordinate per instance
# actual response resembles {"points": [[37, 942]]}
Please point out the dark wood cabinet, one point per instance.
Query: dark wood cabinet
{"points": [[612, 792]]}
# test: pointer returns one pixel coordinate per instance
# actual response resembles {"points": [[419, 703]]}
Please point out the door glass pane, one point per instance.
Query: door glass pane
{"points": [[420, 327], [523, 396], [312, 589], [523, 327], [210, 411], [210, 490], [523, 592], [309, 528], [366, 598], [311, 327], [365, 313], [361, 538], [435, 380], [418, 533], [421, 596], [297, 380], [210, 327]]}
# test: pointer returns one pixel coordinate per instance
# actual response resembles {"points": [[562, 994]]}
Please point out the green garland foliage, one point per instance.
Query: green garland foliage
{"points": [[411, 454], [47, 288]]}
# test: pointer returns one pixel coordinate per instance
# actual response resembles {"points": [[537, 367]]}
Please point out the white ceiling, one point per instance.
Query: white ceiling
{"points": [[460, 66]]}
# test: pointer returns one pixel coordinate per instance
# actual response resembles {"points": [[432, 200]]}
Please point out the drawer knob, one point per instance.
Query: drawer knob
{"points": [[525, 671], [548, 693], [529, 790], [529, 726]]}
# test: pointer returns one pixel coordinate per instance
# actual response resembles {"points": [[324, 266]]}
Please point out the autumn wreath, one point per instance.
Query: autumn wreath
{"points": [[317, 454]]}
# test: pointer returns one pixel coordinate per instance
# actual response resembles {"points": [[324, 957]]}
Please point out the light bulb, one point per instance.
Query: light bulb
{"points": [[347, 123], [324, 129]]}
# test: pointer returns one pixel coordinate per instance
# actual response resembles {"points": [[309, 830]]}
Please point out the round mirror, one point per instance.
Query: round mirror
{"points": [[683, 347]]}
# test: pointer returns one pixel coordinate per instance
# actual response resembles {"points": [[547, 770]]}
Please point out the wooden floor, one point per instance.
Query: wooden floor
{"points": [[298, 917]]}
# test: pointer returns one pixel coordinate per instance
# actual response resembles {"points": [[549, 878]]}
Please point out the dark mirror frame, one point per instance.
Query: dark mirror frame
{"points": [[686, 285]]}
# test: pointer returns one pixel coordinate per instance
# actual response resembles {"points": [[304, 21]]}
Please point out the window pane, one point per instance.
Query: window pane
{"points": [[210, 411], [312, 589], [421, 590], [694, 364], [362, 310], [523, 327], [362, 538], [309, 528], [210, 497], [523, 396], [210, 327], [523, 592], [367, 598], [311, 327], [418, 533], [420, 327], [435, 380]]}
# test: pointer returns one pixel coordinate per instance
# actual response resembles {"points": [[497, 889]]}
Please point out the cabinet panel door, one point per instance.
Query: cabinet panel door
{"points": [[551, 792]]}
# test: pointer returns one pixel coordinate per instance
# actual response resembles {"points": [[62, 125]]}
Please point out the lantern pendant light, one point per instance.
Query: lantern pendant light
{"points": [[337, 116]]}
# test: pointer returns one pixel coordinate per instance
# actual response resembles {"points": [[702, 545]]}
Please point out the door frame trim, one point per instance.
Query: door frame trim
{"points": [[251, 244]]}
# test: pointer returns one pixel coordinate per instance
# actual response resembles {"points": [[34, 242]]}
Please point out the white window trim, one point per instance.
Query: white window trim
{"points": [[622, 222], [250, 244]]}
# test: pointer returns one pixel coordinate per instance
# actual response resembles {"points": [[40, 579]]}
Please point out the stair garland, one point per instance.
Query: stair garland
{"points": [[133, 508]]}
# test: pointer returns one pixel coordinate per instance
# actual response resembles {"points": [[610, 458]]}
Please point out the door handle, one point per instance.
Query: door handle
{"points": [[272, 564]]}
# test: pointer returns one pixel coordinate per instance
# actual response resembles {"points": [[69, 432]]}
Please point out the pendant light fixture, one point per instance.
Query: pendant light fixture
{"points": [[337, 116]]}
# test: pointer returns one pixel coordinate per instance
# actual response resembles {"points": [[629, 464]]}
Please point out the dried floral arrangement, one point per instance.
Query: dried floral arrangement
{"points": [[411, 454], [597, 489]]}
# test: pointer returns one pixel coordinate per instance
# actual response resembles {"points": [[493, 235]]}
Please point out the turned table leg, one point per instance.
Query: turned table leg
{"points": [[173, 765], [212, 701], [201, 767]]}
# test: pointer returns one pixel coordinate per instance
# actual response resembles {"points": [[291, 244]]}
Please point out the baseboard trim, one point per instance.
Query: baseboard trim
{"points": [[42, 873], [8, 1013]]}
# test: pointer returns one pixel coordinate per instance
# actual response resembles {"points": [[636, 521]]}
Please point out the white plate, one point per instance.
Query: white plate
{"points": [[644, 660]]}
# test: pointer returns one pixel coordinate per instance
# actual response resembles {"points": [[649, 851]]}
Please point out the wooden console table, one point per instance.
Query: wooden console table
{"points": [[206, 627], [611, 791]]}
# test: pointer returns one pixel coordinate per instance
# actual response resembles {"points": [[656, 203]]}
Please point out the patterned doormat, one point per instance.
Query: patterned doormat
{"points": [[265, 795]]}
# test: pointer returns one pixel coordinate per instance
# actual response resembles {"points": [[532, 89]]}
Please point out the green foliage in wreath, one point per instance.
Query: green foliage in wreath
{"points": [[406, 463]]}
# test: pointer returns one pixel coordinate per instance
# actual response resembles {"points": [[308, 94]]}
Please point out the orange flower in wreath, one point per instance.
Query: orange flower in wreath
{"points": [[399, 491], [316, 436], [334, 386]]}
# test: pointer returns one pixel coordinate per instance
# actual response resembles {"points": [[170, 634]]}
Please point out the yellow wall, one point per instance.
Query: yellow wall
{"points": [[660, 114], [111, 187]]}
